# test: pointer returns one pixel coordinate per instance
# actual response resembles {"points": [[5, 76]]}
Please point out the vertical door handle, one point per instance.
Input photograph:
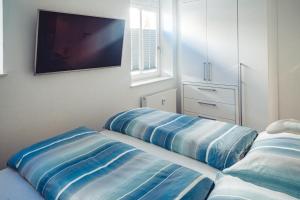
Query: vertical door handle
{"points": [[209, 71], [241, 92], [204, 72]]}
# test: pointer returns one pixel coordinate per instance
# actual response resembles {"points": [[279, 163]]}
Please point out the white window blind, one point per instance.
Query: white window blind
{"points": [[144, 26]]}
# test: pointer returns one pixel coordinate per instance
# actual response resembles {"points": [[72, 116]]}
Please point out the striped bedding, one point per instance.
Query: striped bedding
{"points": [[215, 143], [273, 162], [232, 188], [83, 164]]}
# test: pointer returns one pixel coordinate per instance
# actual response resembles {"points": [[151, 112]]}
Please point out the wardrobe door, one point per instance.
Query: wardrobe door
{"points": [[222, 41], [253, 47], [192, 50]]}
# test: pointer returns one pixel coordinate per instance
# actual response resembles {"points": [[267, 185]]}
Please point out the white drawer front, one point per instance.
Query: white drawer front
{"points": [[216, 110], [209, 117], [209, 94]]}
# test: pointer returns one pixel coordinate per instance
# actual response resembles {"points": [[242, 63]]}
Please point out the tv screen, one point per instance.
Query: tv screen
{"points": [[73, 42]]}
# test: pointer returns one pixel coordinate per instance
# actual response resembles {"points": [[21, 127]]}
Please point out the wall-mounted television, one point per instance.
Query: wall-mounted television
{"points": [[74, 42]]}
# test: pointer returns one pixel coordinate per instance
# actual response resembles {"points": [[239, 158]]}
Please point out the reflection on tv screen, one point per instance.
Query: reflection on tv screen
{"points": [[74, 42]]}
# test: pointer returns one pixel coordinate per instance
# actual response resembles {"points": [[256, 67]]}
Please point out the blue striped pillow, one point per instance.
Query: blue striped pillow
{"points": [[218, 144], [272, 162]]}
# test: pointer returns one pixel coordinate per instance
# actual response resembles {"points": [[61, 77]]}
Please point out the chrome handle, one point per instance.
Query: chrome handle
{"points": [[204, 72], [207, 89], [241, 93], [200, 116], [209, 72], [207, 104]]}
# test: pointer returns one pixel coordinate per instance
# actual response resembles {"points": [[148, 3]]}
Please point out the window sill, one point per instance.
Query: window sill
{"points": [[4, 74], [149, 81]]}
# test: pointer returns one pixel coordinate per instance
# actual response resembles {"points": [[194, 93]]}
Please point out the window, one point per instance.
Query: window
{"points": [[144, 33]]}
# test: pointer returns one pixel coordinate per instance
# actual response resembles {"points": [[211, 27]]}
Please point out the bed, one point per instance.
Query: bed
{"points": [[11, 181], [186, 157]]}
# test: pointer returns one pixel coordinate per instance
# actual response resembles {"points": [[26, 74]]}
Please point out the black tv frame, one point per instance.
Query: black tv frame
{"points": [[74, 70]]}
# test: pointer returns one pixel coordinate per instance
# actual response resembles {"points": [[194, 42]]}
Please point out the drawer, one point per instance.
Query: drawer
{"points": [[216, 110], [209, 117], [209, 94]]}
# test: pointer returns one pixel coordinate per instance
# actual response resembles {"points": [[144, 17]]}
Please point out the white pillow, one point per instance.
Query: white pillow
{"points": [[284, 126], [228, 188]]}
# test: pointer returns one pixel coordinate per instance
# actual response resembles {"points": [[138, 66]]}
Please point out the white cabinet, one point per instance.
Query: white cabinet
{"points": [[202, 92], [208, 58], [257, 50], [211, 101], [192, 46], [222, 41], [208, 44]]}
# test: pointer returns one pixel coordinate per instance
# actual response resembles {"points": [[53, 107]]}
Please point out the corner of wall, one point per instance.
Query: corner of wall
{"points": [[273, 93]]}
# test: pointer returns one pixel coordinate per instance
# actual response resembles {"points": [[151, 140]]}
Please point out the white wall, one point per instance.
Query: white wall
{"points": [[273, 103], [289, 58], [36, 107]]}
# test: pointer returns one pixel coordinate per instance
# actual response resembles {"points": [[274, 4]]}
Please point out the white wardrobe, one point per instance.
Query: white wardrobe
{"points": [[258, 61], [208, 41], [226, 59]]}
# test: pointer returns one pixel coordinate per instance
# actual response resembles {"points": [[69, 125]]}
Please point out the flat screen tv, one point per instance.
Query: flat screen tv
{"points": [[74, 42]]}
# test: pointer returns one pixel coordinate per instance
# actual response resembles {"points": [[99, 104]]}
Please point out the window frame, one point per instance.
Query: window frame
{"points": [[142, 74]]}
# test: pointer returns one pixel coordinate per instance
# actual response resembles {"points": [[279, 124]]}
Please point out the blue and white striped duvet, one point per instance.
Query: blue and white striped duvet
{"points": [[217, 144], [273, 162], [83, 164]]}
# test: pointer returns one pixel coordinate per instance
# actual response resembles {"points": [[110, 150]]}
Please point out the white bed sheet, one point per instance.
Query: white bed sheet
{"points": [[14, 187]]}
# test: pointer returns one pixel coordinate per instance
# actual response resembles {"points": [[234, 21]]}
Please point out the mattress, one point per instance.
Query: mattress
{"points": [[14, 187], [10, 181]]}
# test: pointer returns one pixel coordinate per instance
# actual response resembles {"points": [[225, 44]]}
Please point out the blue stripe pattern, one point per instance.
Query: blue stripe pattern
{"points": [[83, 164], [215, 143], [232, 188], [273, 162]]}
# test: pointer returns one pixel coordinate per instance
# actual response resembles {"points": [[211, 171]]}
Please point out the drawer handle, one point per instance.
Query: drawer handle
{"points": [[208, 90], [207, 118], [207, 104]]}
